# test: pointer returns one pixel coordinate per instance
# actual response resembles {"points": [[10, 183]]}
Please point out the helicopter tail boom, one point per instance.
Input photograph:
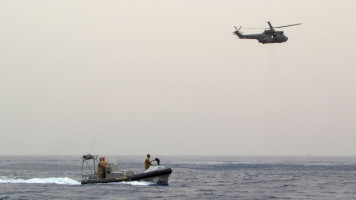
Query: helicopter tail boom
{"points": [[238, 33], [249, 36]]}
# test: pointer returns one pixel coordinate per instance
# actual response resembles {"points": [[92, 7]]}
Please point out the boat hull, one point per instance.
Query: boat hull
{"points": [[159, 176]]}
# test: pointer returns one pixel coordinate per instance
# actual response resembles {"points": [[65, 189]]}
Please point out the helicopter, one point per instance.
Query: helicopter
{"points": [[268, 36]]}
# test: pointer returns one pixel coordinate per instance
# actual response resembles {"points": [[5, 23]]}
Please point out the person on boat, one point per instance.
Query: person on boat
{"points": [[102, 166], [148, 162]]}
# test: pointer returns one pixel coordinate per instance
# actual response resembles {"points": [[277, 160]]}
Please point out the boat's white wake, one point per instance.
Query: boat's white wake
{"points": [[61, 181], [51, 180], [139, 183]]}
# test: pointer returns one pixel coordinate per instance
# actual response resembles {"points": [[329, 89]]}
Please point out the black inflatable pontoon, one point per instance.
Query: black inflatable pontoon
{"points": [[157, 174]]}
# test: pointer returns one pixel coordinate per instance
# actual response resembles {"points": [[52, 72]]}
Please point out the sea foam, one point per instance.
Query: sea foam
{"points": [[51, 180], [136, 183]]}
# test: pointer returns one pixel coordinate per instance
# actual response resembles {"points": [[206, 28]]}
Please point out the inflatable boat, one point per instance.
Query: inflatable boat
{"points": [[156, 174]]}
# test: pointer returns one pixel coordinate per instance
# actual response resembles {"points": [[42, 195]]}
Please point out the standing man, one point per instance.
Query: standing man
{"points": [[148, 162], [102, 166]]}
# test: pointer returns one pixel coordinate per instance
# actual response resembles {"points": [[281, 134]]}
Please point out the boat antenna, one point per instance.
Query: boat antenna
{"points": [[92, 143]]}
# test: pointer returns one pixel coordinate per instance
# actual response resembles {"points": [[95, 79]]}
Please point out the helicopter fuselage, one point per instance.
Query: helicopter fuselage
{"points": [[268, 36]]}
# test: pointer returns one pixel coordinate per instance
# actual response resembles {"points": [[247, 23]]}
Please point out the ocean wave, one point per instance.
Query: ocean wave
{"points": [[51, 180], [213, 163], [330, 164]]}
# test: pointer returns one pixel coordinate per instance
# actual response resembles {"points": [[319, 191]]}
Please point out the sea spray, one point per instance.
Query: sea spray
{"points": [[51, 180]]}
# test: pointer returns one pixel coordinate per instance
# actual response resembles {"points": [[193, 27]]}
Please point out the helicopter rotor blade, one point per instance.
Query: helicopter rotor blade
{"points": [[287, 25], [253, 28], [270, 25]]}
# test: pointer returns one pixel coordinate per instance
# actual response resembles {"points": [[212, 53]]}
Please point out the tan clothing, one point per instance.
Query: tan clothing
{"points": [[147, 163], [102, 169]]}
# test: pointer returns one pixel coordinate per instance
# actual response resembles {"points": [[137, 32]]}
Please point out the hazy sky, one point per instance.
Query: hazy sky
{"points": [[169, 78]]}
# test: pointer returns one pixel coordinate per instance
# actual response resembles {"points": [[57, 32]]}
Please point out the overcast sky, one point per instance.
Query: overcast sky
{"points": [[170, 78]]}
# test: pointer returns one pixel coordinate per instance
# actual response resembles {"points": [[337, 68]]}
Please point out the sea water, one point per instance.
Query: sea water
{"points": [[193, 177]]}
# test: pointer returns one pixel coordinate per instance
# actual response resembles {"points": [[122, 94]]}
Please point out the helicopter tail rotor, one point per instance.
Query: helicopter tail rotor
{"points": [[238, 33], [237, 30]]}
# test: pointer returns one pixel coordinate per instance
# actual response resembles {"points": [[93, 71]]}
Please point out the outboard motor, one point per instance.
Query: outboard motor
{"points": [[157, 160]]}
